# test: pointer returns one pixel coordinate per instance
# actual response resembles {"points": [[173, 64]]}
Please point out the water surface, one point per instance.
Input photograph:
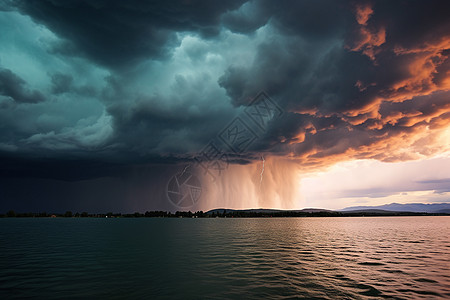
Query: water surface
{"points": [[276, 258]]}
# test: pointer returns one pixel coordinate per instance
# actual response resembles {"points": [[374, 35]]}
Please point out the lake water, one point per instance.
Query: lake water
{"points": [[279, 258]]}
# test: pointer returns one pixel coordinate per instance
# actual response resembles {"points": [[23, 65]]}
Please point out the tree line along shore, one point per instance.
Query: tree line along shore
{"points": [[214, 214]]}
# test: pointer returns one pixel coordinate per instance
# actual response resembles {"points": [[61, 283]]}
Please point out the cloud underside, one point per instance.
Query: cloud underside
{"points": [[155, 82]]}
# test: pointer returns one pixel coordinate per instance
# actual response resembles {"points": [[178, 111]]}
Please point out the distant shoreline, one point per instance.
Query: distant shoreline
{"points": [[222, 213]]}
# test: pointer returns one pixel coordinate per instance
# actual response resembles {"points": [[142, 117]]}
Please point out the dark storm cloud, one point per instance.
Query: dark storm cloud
{"points": [[116, 33], [308, 66], [61, 83], [309, 19], [15, 87], [64, 83], [167, 125], [137, 82]]}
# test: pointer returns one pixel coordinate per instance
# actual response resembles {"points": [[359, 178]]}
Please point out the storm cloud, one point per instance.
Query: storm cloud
{"points": [[135, 83]]}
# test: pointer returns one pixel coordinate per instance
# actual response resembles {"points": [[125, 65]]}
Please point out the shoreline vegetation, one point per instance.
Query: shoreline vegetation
{"points": [[221, 213]]}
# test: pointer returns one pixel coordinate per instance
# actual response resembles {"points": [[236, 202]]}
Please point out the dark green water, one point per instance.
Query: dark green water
{"points": [[314, 258]]}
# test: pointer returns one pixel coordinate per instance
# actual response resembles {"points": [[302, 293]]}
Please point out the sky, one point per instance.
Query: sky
{"points": [[194, 105]]}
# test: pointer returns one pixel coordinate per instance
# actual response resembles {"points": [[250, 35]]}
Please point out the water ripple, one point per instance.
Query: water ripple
{"points": [[295, 258]]}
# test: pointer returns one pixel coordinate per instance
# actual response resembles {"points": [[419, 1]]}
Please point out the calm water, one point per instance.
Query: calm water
{"points": [[321, 258]]}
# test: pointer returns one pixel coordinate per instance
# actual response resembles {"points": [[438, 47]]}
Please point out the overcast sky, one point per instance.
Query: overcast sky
{"points": [[102, 102]]}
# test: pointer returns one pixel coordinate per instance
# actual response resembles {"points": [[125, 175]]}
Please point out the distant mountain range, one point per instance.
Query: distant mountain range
{"points": [[440, 208], [409, 207]]}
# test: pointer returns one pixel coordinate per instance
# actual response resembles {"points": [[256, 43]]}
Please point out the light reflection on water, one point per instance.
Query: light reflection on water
{"points": [[279, 258]]}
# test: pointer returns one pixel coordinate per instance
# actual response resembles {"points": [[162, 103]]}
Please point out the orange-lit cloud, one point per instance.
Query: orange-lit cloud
{"points": [[400, 119], [416, 129], [369, 39], [363, 13]]}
